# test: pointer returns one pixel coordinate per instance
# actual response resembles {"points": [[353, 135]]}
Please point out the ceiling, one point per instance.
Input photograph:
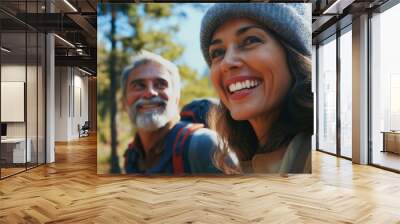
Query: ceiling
{"points": [[325, 13], [332, 15], [74, 22]]}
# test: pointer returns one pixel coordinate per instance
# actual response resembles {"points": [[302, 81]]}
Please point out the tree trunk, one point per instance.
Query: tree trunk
{"points": [[114, 168]]}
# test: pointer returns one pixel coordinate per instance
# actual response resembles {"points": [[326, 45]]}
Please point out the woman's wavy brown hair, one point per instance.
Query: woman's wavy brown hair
{"points": [[296, 116]]}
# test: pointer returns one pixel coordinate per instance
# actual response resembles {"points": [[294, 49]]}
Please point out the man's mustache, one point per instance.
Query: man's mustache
{"points": [[152, 101]]}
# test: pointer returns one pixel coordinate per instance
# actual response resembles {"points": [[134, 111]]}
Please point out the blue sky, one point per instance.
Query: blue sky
{"points": [[188, 35]]}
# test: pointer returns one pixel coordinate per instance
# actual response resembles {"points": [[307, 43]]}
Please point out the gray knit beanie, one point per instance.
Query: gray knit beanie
{"points": [[290, 21]]}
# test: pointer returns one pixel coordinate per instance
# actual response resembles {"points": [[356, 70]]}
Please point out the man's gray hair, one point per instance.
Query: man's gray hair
{"points": [[145, 57]]}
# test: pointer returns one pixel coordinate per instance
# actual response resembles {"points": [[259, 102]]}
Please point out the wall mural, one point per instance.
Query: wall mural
{"points": [[194, 88]]}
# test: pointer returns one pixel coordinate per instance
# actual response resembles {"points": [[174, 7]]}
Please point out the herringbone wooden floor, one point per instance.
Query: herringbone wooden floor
{"points": [[69, 191]]}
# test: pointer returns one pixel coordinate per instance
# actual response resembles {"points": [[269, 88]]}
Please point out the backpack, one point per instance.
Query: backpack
{"points": [[197, 111], [193, 117]]}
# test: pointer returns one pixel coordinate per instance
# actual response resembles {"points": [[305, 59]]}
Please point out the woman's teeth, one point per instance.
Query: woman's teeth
{"points": [[248, 84]]}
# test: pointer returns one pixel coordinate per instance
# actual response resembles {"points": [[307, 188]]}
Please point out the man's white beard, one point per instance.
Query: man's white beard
{"points": [[153, 119]]}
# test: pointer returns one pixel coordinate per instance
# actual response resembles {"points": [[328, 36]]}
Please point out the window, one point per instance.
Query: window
{"points": [[327, 96], [22, 68], [385, 89], [346, 93]]}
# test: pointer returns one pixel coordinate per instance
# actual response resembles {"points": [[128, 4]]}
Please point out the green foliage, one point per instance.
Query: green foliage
{"points": [[194, 86], [158, 10]]}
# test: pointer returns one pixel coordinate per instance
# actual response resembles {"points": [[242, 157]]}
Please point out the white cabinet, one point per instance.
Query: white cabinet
{"points": [[16, 147]]}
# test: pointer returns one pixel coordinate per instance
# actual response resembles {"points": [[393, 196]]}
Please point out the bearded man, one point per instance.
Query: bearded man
{"points": [[151, 92]]}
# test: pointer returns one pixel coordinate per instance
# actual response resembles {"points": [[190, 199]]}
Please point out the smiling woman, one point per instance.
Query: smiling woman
{"points": [[259, 56]]}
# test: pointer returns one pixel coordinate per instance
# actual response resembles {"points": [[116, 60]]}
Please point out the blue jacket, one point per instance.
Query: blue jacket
{"points": [[197, 153]]}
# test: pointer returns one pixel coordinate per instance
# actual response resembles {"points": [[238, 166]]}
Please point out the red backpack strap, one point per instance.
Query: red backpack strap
{"points": [[178, 147], [189, 115]]}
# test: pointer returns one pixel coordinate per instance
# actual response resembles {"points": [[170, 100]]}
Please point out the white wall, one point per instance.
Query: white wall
{"points": [[33, 126], [71, 94], [314, 90], [80, 110], [61, 103], [14, 73]]}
